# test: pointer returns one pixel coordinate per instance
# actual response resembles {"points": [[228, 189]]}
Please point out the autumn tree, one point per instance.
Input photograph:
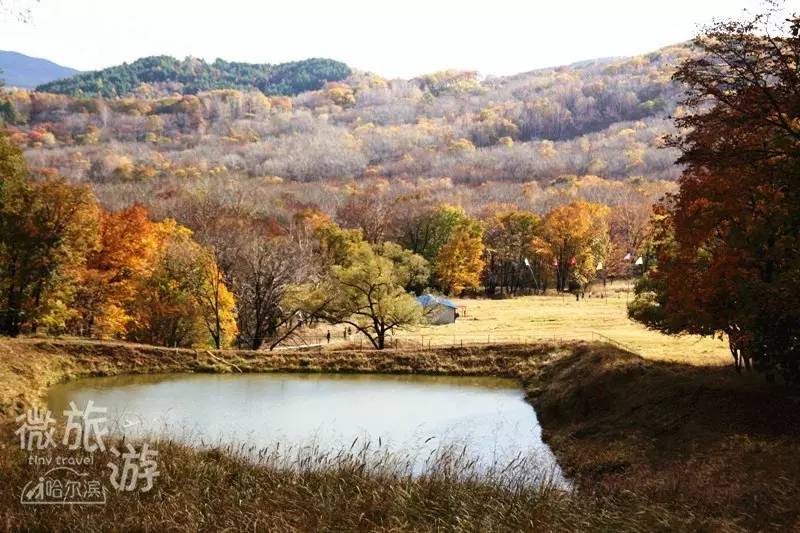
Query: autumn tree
{"points": [[184, 301], [206, 283], [165, 312], [125, 253], [576, 237], [412, 270], [727, 249], [459, 262], [424, 227], [512, 258], [630, 233], [8, 111], [265, 273], [45, 228], [333, 245], [367, 293], [368, 210]]}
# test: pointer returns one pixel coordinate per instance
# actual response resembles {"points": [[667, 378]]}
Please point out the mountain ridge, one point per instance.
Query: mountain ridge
{"points": [[27, 72], [169, 75]]}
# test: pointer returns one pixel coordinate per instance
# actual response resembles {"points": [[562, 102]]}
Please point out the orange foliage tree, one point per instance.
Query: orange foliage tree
{"points": [[128, 242], [183, 301], [727, 250], [512, 258]]}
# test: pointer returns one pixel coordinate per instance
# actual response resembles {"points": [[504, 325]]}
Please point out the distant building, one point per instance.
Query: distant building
{"points": [[438, 310]]}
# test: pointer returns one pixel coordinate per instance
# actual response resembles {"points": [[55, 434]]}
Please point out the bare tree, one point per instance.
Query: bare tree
{"points": [[265, 271]]}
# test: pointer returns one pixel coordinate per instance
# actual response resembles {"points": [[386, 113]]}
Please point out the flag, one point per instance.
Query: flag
{"points": [[639, 261], [527, 263], [600, 265], [627, 257]]}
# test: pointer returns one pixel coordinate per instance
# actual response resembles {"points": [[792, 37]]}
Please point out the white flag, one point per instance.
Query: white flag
{"points": [[639, 261], [627, 257], [600, 265], [527, 263]]}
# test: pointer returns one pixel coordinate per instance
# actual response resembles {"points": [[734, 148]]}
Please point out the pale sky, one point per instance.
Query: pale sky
{"points": [[394, 39]]}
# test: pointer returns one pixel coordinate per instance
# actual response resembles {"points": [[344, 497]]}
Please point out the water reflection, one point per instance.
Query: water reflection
{"points": [[485, 420]]}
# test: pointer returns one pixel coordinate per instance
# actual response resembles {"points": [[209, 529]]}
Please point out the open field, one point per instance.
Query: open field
{"points": [[556, 318]]}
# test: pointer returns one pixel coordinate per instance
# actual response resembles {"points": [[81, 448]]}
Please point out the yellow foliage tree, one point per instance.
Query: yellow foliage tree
{"points": [[459, 262], [461, 146], [45, 228], [340, 94], [576, 237]]}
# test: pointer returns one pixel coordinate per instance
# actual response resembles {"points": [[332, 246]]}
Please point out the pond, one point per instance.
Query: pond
{"points": [[485, 421]]}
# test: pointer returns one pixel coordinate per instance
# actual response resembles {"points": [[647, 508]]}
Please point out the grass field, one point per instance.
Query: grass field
{"points": [[556, 318]]}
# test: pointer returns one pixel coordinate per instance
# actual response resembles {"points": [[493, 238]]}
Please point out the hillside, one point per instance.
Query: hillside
{"points": [[191, 75], [19, 70], [593, 130]]}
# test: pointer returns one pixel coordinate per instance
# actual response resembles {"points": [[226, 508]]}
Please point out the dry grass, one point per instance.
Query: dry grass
{"points": [[718, 444], [555, 319], [222, 490]]}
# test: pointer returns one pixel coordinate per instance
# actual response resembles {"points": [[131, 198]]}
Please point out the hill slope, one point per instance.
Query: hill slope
{"points": [[19, 70], [192, 75], [531, 135]]}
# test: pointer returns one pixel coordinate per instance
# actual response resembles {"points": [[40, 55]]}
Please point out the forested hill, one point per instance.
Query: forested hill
{"points": [[525, 139], [191, 76]]}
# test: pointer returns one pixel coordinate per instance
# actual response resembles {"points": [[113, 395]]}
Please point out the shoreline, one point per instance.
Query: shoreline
{"points": [[29, 366]]}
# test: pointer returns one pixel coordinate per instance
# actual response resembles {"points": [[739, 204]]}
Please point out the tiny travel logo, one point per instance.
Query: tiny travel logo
{"points": [[130, 469], [63, 486]]}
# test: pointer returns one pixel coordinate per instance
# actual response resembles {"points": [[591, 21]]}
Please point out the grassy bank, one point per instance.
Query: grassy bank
{"points": [[651, 446], [721, 445]]}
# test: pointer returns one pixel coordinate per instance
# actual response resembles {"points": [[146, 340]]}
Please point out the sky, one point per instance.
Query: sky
{"points": [[393, 39]]}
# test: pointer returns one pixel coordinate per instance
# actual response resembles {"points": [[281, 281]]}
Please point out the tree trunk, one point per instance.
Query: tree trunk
{"points": [[381, 340]]}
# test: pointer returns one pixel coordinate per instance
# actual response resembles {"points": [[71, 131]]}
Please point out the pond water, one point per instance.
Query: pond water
{"points": [[484, 420]]}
